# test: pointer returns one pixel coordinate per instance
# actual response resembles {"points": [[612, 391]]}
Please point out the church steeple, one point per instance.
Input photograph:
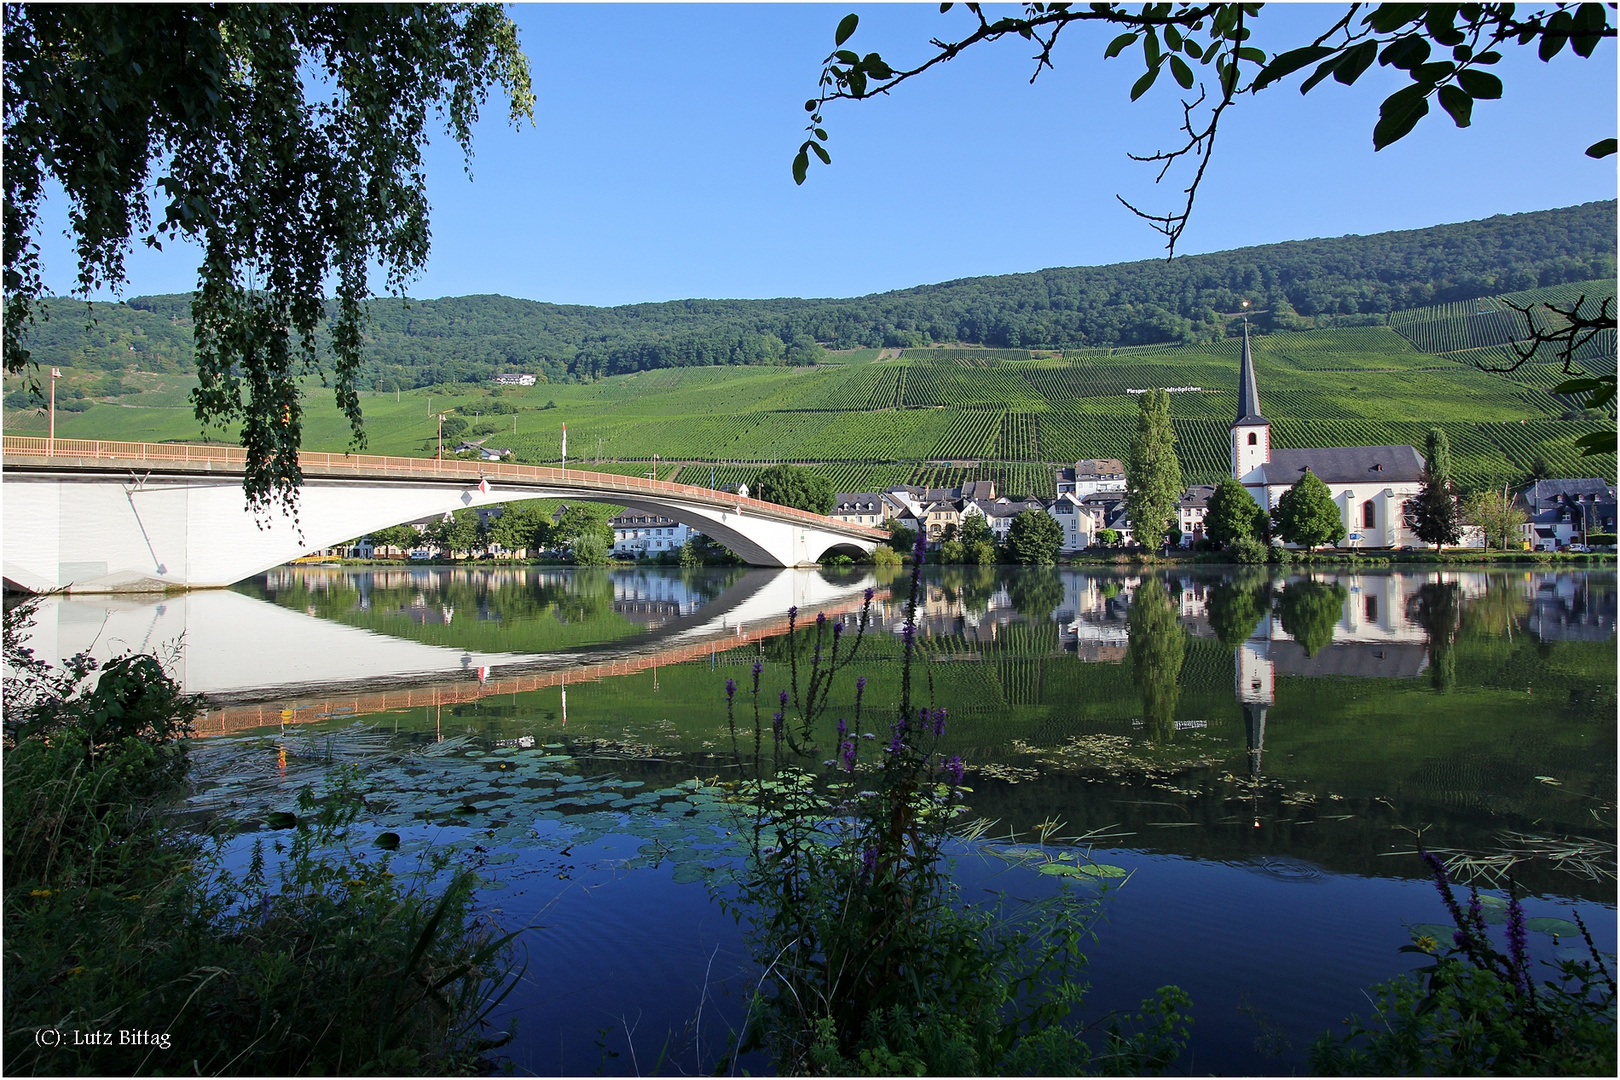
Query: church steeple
{"points": [[1251, 431], [1248, 392]]}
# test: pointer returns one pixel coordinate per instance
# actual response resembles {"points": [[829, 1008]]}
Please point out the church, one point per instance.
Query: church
{"points": [[1371, 484]]}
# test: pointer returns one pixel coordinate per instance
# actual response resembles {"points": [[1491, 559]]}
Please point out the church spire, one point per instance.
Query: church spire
{"points": [[1248, 393]]}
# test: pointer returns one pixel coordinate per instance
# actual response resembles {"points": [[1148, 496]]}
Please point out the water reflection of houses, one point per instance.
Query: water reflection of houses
{"points": [[652, 600], [1091, 618], [1564, 608]]}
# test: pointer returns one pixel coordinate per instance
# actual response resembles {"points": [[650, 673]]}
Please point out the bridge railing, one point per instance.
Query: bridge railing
{"points": [[439, 468]]}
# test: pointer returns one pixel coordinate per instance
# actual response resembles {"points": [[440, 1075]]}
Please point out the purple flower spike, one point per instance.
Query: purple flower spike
{"points": [[731, 690], [869, 860], [919, 550], [793, 616], [843, 728], [847, 750], [909, 635], [1517, 951], [776, 726], [838, 629], [860, 687], [782, 698], [953, 769], [868, 594], [821, 619], [939, 722]]}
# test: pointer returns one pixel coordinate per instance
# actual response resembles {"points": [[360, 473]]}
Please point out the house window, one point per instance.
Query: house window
{"points": [[1369, 604], [1369, 514], [1254, 440]]}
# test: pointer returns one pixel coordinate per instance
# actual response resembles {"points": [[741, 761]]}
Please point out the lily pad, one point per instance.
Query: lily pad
{"points": [[1560, 927], [1102, 870], [388, 841], [687, 873], [1057, 869], [280, 819], [1440, 933]]}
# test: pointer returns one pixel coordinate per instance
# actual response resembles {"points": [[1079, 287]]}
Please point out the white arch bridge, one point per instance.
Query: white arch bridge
{"points": [[96, 516]]}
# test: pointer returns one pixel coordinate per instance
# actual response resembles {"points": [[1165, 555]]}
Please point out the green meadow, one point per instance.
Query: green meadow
{"points": [[943, 415]]}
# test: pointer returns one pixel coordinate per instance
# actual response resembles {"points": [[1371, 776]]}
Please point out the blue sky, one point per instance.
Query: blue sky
{"points": [[658, 165]]}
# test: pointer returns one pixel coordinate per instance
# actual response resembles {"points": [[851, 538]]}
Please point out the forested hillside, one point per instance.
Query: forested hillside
{"points": [[1346, 281]]}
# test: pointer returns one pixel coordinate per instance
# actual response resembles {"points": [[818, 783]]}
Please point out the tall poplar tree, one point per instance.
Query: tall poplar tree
{"points": [[1435, 508], [1153, 474]]}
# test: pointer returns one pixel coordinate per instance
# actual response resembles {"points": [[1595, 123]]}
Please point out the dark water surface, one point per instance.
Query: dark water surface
{"points": [[1259, 751]]}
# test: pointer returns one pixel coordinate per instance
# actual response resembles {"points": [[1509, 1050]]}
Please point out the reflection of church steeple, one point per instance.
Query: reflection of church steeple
{"points": [[1255, 677], [1254, 728]]}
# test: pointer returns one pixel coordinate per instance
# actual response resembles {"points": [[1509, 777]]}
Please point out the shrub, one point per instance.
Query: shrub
{"points": [[112, 910], [1248, 550], [873, 966]]}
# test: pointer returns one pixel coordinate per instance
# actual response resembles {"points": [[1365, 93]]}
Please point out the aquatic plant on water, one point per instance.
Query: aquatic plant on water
{"points": [[1478, 1010], [872, 963], [323, 957]]}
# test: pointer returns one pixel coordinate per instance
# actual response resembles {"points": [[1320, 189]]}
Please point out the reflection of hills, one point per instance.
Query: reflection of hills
{"points": [[1353, 660]]}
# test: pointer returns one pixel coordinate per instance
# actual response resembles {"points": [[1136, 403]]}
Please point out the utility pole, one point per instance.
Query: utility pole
{"points": [[50, 438], [441, 436]]}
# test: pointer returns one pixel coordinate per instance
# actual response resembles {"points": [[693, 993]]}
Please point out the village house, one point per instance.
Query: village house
{"points": [[1090, 476], [863, 508], [514, 379], [637, 533], [1191, 510], [1077, 522], [1564, 512]]}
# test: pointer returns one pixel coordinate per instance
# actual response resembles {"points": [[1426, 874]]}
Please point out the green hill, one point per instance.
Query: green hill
{"points": [[942, 415], [1305, 284]]}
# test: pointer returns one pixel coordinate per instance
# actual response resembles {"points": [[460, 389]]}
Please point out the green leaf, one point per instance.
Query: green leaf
{"points": [[1561, 927], [1172, 38], [1102, 870], [388, 841], [1057, 869], [1440, 933], [821, 152], [1433, 73], [1399, 115], [1481, 85], [1119, 45], [846, 27], [876, 68], [1144, 83], [1354, 62], [1289, 62], [1388, 17], [848, 56], [1405, 53], [801, 165], [1249, 52], [1600, 149], [1575, 386], [1439, 22], [1320, 73], [1183, 73], [857, 82], [1458, 104], [1552, 43]]}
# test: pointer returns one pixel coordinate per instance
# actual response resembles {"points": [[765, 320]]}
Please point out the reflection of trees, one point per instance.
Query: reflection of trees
{"points": [[1237, 605], [1158, 646], [1437, 607], [1501, 609], [1309, 610], [1036, 593]]}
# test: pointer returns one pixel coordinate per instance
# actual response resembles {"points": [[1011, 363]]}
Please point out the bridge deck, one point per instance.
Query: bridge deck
{"points": [[35, 453]]}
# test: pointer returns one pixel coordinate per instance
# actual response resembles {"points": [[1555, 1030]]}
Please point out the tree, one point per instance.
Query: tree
{"points": [[522, 526], [1153, 474], [1497, 516], [1217, 37], [1158, 648], [398, 537], [902, 538], [461, 531], [1108, 537], [1233, 513], [1435, 508], [794, 485], [976, 530], [289, 141], [1236, 607], [1307, 515], [1309, 610], [952, 551], [583, 524], [1034, 538], [1437, 607]]}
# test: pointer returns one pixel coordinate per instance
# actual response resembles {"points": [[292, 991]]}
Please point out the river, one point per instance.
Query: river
{"points": [[1259, 751]]}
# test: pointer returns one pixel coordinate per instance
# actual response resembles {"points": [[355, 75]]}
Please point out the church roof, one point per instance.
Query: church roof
{"points": [[1248, 392], [1347, 465]]}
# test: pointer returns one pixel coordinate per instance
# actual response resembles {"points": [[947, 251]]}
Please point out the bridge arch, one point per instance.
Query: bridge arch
{"points": [[108, 517]]}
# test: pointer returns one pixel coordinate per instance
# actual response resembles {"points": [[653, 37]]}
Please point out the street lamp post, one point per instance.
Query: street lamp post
{"points": [[50, 438]]}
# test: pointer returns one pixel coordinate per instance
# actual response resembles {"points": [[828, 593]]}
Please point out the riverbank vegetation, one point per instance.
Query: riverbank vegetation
{"points": [[134, 946]]}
